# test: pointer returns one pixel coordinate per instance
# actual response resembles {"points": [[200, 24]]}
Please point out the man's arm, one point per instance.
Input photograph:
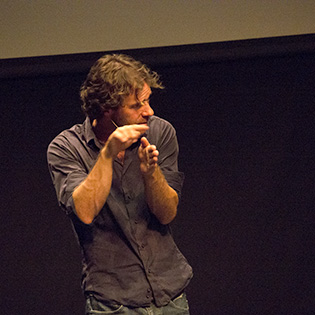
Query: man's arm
{"points": [[161, 198], [90, 196]]}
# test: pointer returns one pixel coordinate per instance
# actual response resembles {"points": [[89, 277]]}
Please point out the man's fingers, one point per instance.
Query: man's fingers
{"points": [[130, 132], [151, 154], [125, 136], [152, 151], [138, 128], [144, 142], [135, 131]]}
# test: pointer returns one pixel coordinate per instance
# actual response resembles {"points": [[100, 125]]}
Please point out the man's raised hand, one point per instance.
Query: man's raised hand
{"points": [[148, 155], [123, 137]]}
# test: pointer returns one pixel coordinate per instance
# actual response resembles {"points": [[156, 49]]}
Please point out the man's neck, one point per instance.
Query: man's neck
{"points": [[102, 128]]}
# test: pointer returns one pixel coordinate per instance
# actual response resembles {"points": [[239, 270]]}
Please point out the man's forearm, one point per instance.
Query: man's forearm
{"points": [[90, 196], [161, 198]]}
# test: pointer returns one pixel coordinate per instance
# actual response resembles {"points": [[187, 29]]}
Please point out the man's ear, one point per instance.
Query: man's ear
{"points": [[108, 113]]}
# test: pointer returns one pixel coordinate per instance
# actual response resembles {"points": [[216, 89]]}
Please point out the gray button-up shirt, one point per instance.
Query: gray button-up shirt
{"points": [[129, 257]]}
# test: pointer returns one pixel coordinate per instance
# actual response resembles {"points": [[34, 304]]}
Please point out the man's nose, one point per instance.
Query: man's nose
{"points": [[147, 110]]}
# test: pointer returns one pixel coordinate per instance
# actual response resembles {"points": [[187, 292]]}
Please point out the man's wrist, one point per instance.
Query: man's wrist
{"points": [[106, 153], [151, 175]]}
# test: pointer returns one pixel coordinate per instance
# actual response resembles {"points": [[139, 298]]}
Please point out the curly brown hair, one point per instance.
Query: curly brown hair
{"points": [[110, 80]]}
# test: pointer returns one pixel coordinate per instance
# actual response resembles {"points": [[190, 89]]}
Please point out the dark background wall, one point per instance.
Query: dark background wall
{"points": [[244, 114]]}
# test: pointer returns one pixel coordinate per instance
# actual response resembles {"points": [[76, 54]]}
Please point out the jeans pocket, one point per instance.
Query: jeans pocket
{"points": [[95, 307], [180, 302]]}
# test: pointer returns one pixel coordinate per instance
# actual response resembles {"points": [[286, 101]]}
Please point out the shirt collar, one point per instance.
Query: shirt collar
{"points": [[89, 135]]}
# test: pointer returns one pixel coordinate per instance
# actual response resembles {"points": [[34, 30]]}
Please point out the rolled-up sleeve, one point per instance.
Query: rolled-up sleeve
{"points": [[66, 171], [168, 148]]}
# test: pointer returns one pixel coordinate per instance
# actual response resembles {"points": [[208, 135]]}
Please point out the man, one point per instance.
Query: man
{"points": [[116, 176]]}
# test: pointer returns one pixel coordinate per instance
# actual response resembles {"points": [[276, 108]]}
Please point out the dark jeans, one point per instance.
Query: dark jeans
{"points": [[178, 306]]}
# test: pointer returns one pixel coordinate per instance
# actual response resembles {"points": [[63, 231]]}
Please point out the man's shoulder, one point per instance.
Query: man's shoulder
{"points": [[158, 122], [69, 132], [160, 130], [66, 138]]}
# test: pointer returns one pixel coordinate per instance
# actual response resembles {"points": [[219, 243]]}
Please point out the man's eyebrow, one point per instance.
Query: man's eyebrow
{"points": [[135, 104], [146, 99]]}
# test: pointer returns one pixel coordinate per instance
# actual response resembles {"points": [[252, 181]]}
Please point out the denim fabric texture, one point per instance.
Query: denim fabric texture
{"points": [[177, 306]]}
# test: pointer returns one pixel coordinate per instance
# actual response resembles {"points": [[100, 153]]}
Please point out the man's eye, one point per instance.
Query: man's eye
{"points": [[146, 101], [136, 106]]}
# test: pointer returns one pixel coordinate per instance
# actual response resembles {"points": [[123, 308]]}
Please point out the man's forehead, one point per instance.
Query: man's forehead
{"points": [[146, 91], [141, 95]]}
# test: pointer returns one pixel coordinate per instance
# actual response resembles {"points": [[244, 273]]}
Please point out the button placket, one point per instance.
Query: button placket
{"points": [[128, 198], [149, 293]]}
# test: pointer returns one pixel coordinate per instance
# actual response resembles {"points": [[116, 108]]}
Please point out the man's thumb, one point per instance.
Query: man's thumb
{"points": [[144, 142]]}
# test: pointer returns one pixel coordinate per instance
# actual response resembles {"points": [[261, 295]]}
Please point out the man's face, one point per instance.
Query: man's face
{"points": [[135, 109]]}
